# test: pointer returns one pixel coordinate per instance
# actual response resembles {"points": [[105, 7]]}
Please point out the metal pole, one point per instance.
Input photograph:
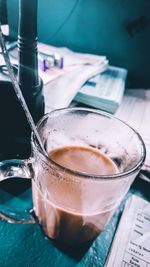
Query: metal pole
{"points": [[28, 78], [27, 47]]}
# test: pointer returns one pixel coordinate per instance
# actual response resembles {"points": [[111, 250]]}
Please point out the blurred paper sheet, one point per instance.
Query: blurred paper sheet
{"points": [[131, 245], [60, 92], [73, 62], [135, 110]]}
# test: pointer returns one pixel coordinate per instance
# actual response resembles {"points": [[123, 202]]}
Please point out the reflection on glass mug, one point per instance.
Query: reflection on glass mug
{"points": [[93, 158]]}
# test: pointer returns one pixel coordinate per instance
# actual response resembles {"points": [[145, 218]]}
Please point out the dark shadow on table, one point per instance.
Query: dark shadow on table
{"points": [[73, 251]]}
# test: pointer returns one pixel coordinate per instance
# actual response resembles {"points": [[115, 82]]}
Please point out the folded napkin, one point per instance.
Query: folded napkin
{"points": [[61, 85]]}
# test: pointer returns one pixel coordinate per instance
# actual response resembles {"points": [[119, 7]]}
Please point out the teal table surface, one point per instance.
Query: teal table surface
{"points": [[27, 246]]}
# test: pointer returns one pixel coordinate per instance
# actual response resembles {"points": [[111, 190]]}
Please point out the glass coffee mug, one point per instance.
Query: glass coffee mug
{"points": [[93, 159]]}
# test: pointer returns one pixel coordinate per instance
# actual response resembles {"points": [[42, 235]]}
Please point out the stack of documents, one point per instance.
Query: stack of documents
{"points": [[105, 90], [85, 78], [131, 246], [72, 62], [62, 85]]}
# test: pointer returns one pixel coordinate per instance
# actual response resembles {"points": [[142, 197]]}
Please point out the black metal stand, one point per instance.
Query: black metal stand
{"points": [[14, 131]]}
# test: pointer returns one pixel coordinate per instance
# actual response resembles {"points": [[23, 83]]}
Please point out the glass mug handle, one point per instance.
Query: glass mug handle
{"points": [[22, 169]]}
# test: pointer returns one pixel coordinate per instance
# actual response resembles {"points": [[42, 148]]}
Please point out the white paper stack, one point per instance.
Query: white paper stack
{"points": [[104, 91], [131, 245], [85, 78], [62, 85], [72, 63]]}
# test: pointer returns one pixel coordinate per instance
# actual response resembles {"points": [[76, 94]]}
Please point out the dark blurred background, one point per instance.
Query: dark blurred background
{"points": [[119, 29], [3, 11]]}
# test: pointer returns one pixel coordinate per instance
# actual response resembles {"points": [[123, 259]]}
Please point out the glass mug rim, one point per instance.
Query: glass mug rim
{"points": [[85, 175]]}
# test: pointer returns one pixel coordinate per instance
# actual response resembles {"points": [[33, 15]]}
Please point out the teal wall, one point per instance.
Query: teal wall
{"points": [[119, 29]]}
